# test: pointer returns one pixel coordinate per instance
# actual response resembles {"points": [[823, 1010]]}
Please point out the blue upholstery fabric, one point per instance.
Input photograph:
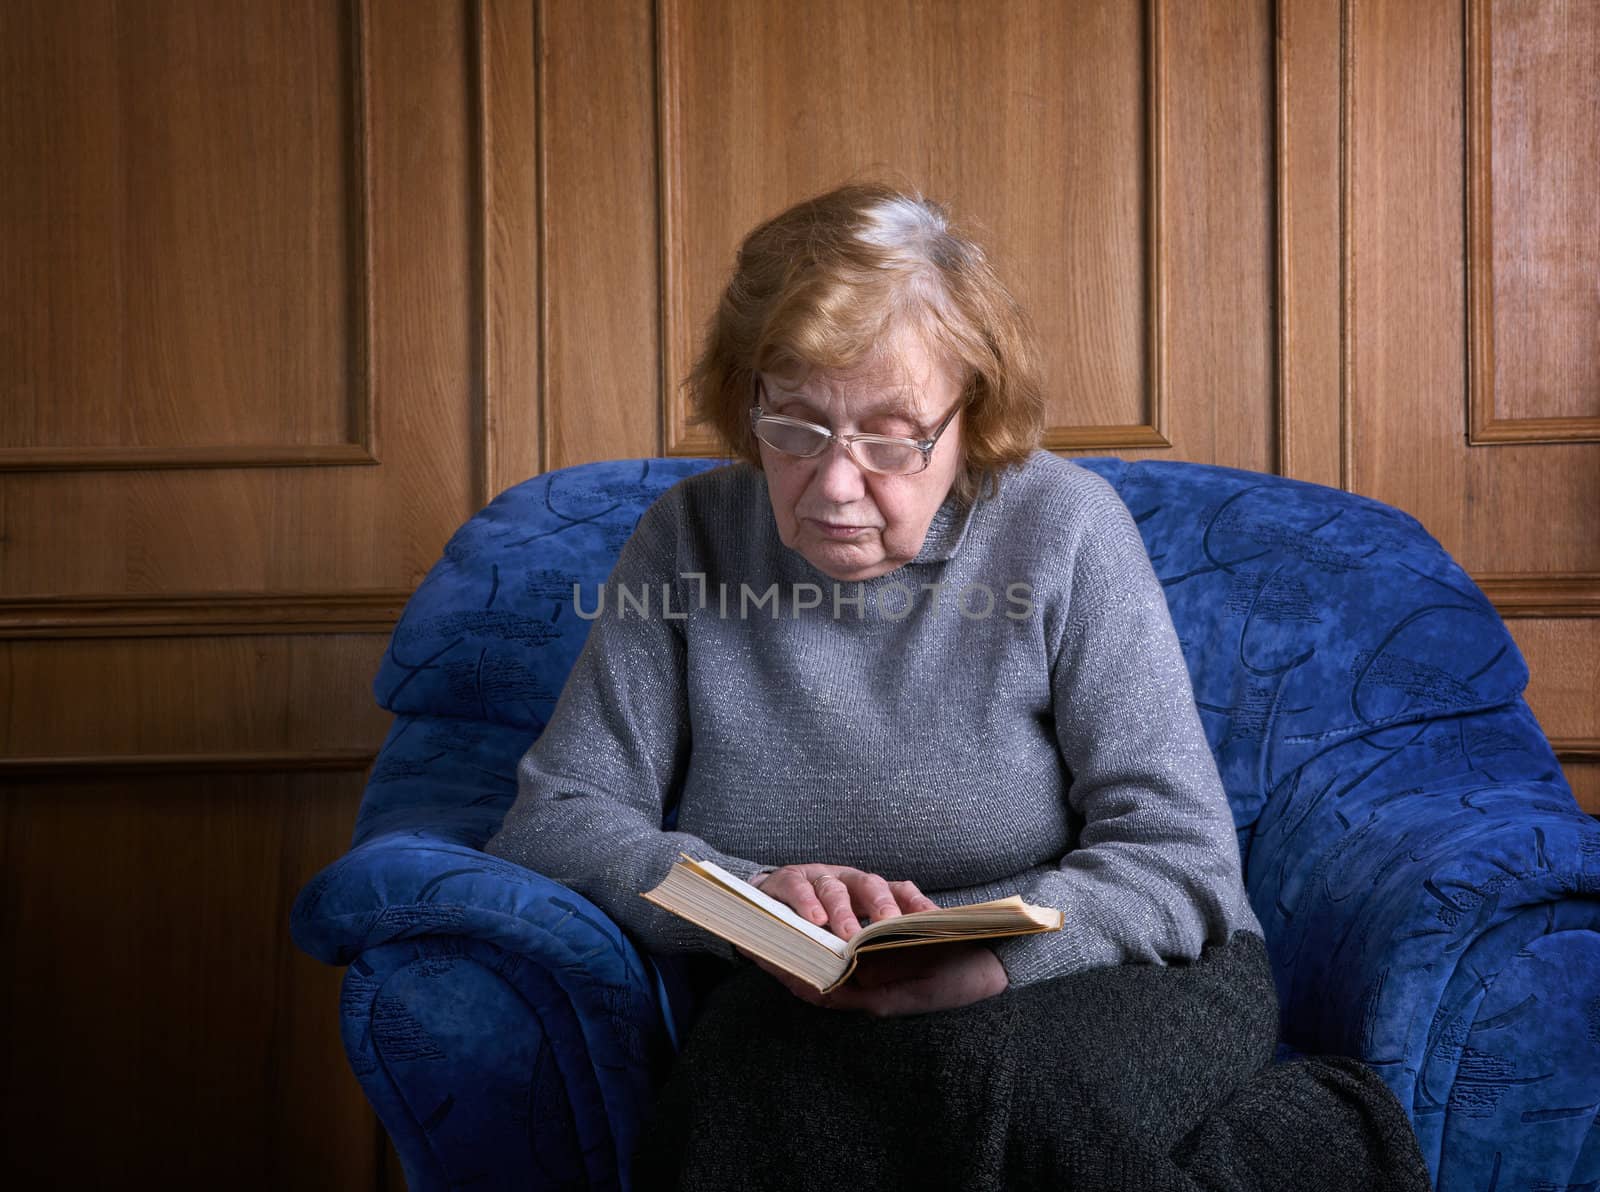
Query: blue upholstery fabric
{"points": [[1427, 883]]}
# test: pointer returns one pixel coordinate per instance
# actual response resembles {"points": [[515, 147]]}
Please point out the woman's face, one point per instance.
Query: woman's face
{"points": [[851, 524]]}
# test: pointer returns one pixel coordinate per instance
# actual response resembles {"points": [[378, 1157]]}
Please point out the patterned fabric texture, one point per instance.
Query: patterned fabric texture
{"points": [[1429, 888]]}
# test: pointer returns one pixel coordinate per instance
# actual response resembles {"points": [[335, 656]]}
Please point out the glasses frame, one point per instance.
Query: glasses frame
{"points": [[829, 436]]}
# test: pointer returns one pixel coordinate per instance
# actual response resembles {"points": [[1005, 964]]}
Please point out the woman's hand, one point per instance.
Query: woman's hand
{"points": [[838, 897], [909, 980], [912, 980]]}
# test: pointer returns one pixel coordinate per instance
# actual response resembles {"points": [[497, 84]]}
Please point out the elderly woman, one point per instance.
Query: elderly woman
{"points": [[905, 658]]}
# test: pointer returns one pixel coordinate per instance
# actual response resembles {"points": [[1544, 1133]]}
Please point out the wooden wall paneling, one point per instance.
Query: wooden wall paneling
{"points": [[1522, 515], [1406, 263], [603, 376], [1583, 775], [112, 701], [162, 1028], [1055, 166], [507, 225], [178, 615], [305, 223], [1533, 152], [1521, 508], [176, 168], [314, 531], [428, 250], [1534, 376], [1563, 655], [1218, 240], [1311, 247]]}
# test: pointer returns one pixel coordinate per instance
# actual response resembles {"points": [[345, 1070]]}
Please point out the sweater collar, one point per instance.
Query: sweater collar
{"points": [[946, 531]]}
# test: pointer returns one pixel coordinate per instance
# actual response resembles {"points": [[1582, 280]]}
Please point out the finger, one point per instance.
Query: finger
{"points": [[876, 899], [835, 895], [792, 887], [912, 899]]}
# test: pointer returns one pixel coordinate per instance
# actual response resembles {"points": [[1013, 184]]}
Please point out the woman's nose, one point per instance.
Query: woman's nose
{"points": [[838, 475]]}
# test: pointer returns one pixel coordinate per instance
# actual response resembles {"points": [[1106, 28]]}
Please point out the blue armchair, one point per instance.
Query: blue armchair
{"points": [[1429, 888]]}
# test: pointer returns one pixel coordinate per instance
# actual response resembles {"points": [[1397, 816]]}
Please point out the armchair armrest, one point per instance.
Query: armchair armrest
{"points": [[1449, 936], [426, 920]]}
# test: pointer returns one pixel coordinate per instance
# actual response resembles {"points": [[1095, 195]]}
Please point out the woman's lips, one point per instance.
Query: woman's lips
{"points": [[834, 530]]}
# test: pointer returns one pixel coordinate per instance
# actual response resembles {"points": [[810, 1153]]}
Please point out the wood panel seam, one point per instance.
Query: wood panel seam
{"points": [[202, 614], [484, 488], [18, 769], [1347, 240], [541, 182], [1282, 262]]}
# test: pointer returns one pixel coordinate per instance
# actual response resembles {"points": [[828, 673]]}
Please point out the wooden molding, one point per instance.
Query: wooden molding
{"points": [[1102, 438], [36, 769], [142, 459], [681, 438], [1484, 428], [205, 614], [1347, 242], [676, 434], [1489, 430], [1152, 434], [1584, 750], [363, 447], [1155, 433], [1516, 594]]}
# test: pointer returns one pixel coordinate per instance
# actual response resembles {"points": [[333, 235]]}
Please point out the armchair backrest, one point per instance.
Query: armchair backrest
{"points": [[1317, 626], [1310, 619]]}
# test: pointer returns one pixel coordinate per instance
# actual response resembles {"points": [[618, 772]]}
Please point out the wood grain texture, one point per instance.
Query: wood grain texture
{"points": [[1533, 595], [257, 531], [1035, 122], [211, 614], [1310, 239], [1518, 509], [507, 226], [601, 310], [163, 1031], [204, 170], [1563, 655], [109, 698], [1533, 152], [1221, 256], [1584, 779]]}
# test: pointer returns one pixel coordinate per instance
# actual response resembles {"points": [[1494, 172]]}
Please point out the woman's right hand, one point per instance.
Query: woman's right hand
{"points": [[839, 897]]}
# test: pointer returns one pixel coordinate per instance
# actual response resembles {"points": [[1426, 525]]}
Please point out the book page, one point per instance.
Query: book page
{"points": [[769, 904]]}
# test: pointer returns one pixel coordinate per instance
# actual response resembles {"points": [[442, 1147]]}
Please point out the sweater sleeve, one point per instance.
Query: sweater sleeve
{"points": [[1155, 874], [592, 789]]}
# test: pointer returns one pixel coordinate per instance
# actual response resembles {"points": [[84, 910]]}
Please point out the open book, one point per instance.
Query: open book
{"points": [[710, 897]]}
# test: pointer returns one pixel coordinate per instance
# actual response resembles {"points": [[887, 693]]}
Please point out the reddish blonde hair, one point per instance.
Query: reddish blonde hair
{"points": [[821, 285]]}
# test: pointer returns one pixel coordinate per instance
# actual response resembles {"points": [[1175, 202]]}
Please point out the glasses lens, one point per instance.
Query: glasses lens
{"points": [[892, 459], [790, 438]]}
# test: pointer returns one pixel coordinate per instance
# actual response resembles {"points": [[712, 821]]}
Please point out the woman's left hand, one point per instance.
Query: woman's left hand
{"points": [[911, 980]]}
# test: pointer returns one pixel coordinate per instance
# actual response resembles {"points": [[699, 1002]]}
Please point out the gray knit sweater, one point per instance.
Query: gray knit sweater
{"points": [[1008, 713]]}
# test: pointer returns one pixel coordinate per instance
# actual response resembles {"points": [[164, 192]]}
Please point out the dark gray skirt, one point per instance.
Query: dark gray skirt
{"points": [[1142, 1077]]}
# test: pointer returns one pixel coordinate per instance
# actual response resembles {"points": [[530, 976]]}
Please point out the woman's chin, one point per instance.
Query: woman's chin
{"points": [[848, 562]]}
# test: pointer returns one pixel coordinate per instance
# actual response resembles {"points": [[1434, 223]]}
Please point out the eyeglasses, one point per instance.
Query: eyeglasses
{"points": [[888, 455]]}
